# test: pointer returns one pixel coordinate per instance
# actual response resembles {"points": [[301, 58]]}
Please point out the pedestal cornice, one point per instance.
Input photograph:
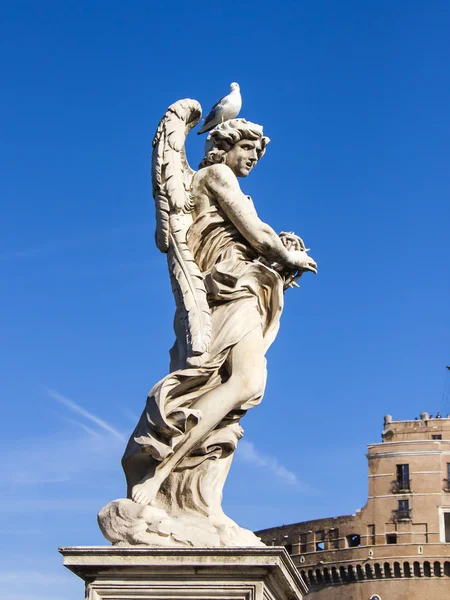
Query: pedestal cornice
{"points": [[188, 573]]}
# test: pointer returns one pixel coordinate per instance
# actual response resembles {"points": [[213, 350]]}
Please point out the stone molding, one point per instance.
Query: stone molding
{"points": [[144, 573], [317, 578]]}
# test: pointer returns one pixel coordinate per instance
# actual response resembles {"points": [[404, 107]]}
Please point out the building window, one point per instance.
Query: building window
{"points": [[447, 480], [288, 548], [403, 505], [354, 540], [447, 527], [303, 543], [436, 436], [402, 479], [391, 538], [371, 535], [320, 540], [403, 512], [334, 538]]}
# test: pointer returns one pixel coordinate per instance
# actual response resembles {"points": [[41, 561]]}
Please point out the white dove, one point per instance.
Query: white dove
{"points": [[227, 108]]}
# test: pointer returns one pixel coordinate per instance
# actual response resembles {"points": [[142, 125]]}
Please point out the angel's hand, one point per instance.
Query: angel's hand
{"points": [[298, 259], [291, 241]]}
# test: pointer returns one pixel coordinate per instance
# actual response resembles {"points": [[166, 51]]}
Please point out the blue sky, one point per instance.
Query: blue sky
{"points": [[354, 96]]}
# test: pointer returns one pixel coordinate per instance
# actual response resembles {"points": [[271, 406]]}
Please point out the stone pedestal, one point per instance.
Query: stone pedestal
{"points": [[143, 573]]}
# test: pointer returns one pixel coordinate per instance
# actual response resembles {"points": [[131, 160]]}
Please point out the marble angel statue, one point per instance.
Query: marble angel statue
{"points": [[229, 271]]}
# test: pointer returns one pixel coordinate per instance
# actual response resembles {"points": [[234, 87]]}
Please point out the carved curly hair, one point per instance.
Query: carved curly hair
{"points": [[223, 137]]}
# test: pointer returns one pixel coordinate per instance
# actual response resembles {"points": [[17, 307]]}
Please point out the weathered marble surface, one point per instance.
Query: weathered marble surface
{"points": [[229, 271], [214, 573], [126, 522]]}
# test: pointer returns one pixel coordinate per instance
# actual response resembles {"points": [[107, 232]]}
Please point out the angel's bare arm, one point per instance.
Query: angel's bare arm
{"points": [[221, 182]]}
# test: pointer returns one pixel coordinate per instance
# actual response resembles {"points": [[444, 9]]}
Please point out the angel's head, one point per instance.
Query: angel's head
{"points": [[237, 143]]}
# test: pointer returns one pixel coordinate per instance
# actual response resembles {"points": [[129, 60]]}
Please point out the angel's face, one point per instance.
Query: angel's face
{"points": [[243, 156]]}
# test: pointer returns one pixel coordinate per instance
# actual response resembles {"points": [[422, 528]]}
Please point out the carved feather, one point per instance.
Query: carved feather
{"points": [[161, 200], [171, 179], [189, 291]]}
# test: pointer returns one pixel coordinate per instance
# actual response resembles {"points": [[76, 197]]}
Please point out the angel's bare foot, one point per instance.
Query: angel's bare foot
{"points": [[145, 493]]}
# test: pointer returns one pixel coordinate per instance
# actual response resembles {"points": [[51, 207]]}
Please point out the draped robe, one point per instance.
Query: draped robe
{"points": [[243, 294]]}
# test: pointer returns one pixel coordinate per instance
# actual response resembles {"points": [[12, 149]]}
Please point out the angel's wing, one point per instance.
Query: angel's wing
{"points": [[171, 179]]}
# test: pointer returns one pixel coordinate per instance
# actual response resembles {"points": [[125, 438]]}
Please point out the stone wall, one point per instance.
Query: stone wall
{"points": [[398, 545]]}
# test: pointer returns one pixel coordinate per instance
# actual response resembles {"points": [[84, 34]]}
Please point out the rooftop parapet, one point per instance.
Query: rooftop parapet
{"points": [[426, 427]]}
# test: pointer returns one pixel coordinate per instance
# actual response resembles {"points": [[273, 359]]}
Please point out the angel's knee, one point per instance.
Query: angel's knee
{"points": [[250, 385]]}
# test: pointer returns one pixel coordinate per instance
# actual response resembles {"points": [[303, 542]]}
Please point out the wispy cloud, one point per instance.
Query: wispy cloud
{"points": [[67, 455], [38, 585], [30, 478], [73, 406], [248, 452], [33, 577], [129, 414], [63, 504], [82, 426], [51, 462]]}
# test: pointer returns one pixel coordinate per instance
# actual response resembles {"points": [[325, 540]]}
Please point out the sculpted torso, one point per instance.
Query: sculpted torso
{"points": [[218, 185]]}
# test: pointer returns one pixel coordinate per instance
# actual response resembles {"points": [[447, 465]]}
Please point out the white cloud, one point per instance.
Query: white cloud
{"points": [[59, 458], [64, 504], [30, 478], [84, 413], [248, 452], [129, 414], [48, 472], [33, 577], [39, 585], [83, 427]]}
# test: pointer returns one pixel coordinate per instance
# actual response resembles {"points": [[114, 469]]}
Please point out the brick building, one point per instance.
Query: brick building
{"points": [[398, 545]]}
